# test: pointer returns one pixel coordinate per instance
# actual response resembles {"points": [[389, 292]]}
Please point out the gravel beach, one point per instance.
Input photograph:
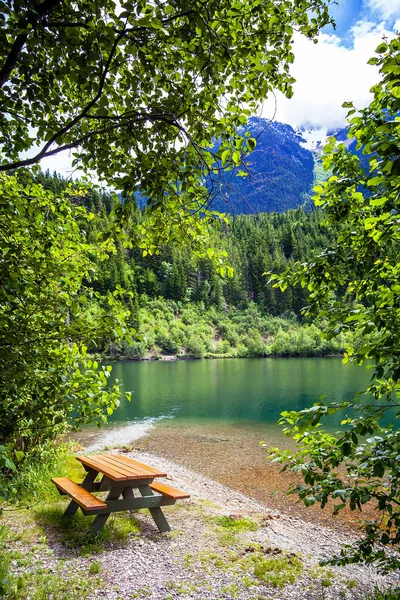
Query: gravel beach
{"points": [[224, 469], [234, 539], [192, 561]]}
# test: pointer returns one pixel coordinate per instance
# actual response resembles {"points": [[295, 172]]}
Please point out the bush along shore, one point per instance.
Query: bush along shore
{"points": [[179, 305], [166, 328]]}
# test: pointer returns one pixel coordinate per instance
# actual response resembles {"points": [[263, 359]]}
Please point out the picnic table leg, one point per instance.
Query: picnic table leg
{"points": [[156, 513], [71, 509], [100, 520], [127, 494], [73, 506]]}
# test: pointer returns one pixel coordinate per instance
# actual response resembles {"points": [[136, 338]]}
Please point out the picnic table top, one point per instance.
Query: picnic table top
{"points": [[119, 468]]}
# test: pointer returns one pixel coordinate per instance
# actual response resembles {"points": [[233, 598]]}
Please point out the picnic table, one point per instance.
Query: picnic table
{"points": [[119, 476]]}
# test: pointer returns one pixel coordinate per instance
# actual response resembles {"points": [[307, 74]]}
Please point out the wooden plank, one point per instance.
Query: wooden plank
{"points": [[132, 465], [116, 470], [107, 484], [154, 472], [167, 490], [102, 467], [124, 468], [82, 497]]}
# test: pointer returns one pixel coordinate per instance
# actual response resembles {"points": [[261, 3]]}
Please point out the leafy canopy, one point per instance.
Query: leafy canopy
{"points": [[138, 90], [46, 373], [364, 262]]}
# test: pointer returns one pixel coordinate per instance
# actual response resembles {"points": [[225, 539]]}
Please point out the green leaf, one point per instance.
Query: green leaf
{"points": [[379, 469], [381, 48]]}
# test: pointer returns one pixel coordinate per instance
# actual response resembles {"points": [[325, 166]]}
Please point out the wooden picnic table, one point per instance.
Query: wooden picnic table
{"points": [[119, 476]]}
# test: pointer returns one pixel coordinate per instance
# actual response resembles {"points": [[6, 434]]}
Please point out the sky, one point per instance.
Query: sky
{"points": [[327, 74], [335, 70]]}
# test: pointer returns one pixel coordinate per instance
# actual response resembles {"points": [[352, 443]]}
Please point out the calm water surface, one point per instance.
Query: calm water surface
{"points": [[245, 390]]}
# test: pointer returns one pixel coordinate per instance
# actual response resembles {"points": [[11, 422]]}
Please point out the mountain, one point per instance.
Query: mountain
{"points": [[281, 172]]}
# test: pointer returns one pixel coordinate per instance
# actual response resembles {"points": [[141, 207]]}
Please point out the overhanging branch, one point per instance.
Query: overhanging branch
{"points": [[30, 20]]}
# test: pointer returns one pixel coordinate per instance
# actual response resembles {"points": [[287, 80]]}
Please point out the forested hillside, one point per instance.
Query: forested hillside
{"points": [[180, 305]]}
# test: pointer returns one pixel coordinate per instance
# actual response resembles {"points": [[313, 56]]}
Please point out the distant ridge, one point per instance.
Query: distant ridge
{"points": [[281, 172]]}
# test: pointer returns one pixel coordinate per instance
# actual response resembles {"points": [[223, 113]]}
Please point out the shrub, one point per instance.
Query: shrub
{"points": [[136, 351], [196, 347]]}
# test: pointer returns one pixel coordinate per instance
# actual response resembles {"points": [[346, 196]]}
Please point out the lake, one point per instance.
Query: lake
{"points": [[211, 415], [238, 392], [249, 390]]}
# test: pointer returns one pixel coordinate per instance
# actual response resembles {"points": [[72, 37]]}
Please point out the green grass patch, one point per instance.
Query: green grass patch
{"points": [[43, 584], [236, 524], [38, 582], [228, 528], [227, 538], [32, 484], [255, 566], [182, 587], [9, 584], [75, 531], [232, 590], [276, 571], [94, 568], [393, 594]]}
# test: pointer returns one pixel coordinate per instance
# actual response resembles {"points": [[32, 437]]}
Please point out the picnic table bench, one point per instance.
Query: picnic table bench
{"points": [[120, 475]]}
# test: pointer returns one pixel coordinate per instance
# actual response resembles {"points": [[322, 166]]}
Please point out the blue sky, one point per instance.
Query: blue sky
{"points": [[346, 13]]}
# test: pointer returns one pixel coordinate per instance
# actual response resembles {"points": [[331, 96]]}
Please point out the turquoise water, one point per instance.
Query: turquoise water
{"points": [[242, 390]]}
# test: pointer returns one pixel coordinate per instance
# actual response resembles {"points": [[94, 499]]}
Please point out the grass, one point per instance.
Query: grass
{"points": [[74, 530], [325, 577], [229, 527], [182, 587], [42, 585], [94, 568], [276, 571], [30, 580], [8, 582], [236, 524], [33, 483], [232, 590], [255, 566], [393, 594]]}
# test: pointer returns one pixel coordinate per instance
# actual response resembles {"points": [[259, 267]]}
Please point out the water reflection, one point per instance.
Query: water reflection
{"points": [[248, 390]]}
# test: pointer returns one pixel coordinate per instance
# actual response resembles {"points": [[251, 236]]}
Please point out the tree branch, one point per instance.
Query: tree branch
{"points": [[46, 153], [31, 19]]}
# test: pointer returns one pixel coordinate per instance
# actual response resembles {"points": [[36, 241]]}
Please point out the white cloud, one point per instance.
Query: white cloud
{"points": [[62, 163], [384, 8], [328, 74]]}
